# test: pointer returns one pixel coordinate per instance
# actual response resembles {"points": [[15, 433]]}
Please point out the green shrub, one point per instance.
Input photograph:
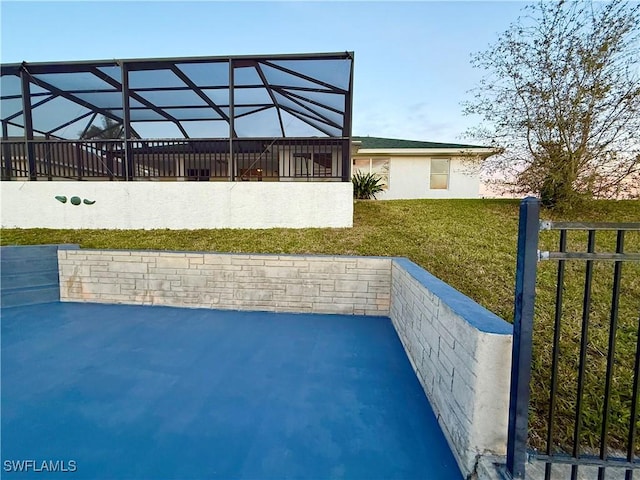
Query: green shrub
{"points": [[366, 185]]}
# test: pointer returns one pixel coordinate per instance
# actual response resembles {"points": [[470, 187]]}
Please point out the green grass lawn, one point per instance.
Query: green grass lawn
{"points": [[470, 244]]}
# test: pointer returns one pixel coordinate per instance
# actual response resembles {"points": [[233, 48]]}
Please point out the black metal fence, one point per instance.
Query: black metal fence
{"points": [[578, 455], [303, 159]]}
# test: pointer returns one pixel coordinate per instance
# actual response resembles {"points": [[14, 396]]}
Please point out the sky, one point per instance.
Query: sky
{"points": [[412, 59]]}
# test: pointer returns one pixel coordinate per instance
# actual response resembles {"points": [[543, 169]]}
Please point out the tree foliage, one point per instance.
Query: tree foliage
{"points": [[110, 130], [561, 99]]}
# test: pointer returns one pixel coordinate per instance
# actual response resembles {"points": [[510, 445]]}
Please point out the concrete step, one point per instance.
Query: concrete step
{"points": [[14, 297], [28, 279], [29, 275], [13, 252], [18, 266]]}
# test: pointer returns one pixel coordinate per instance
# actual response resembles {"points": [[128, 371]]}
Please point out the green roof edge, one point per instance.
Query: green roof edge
{"points": [[388, 143]]}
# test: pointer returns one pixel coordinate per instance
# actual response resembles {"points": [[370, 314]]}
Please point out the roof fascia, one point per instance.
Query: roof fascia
{"points": [[426, 151]]}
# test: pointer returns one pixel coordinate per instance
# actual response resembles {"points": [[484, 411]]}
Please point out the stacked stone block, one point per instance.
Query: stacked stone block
{"points": [[461, 355], [279, 283]]}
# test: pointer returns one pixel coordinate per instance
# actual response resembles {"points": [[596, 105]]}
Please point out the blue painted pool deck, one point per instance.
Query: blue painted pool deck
{"points": [[159, 392]]}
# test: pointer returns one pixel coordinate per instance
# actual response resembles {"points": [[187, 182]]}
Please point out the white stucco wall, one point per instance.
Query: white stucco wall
{"points": [[409, 178], [177, 205]]}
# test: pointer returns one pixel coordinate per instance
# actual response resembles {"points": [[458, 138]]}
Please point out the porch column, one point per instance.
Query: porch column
{"points": [[346, 128], [110, 164], [232, 161], [126, 119], [28, 123], [6, 153], [78, 152]]}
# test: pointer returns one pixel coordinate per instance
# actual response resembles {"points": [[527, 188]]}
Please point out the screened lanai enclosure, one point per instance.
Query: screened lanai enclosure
{"points": [[238, 118]]}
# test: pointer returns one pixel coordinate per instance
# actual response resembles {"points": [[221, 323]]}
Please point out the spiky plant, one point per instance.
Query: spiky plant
{"points": [[366, 185]]}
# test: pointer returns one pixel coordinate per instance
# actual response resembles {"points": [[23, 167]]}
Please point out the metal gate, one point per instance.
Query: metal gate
{"points": [[575, 456]]}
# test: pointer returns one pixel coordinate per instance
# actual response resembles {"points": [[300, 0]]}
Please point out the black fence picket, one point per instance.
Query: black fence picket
{"points": [[518, 452]]}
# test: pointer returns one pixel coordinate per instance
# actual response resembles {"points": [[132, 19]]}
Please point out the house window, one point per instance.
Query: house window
{"points": [[317, 164], [198, 174], [378, 166], [439, 174]]}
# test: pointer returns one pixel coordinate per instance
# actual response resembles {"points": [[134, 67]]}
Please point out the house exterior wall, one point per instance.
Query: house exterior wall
{"points": [[177, 205], [409, 176], [409, 179]]}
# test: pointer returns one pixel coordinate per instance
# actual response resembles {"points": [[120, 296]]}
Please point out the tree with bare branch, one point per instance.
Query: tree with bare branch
{"points": [[561, 99], [110, 130]]}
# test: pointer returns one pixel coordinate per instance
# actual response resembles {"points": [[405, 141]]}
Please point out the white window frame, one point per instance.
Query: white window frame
{"points": [[385, 178], [447, 175]]}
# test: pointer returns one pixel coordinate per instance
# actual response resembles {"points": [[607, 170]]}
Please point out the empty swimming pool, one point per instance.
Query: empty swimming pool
{"points": [[161, 392]]}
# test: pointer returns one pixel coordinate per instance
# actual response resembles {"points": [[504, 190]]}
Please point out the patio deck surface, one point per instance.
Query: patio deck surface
{"points": [[160, 392]]}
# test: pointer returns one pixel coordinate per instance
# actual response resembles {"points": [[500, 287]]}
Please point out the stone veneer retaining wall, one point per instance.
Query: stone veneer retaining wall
{"points": [[460, 351], [279, 283], [461, 354]]}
